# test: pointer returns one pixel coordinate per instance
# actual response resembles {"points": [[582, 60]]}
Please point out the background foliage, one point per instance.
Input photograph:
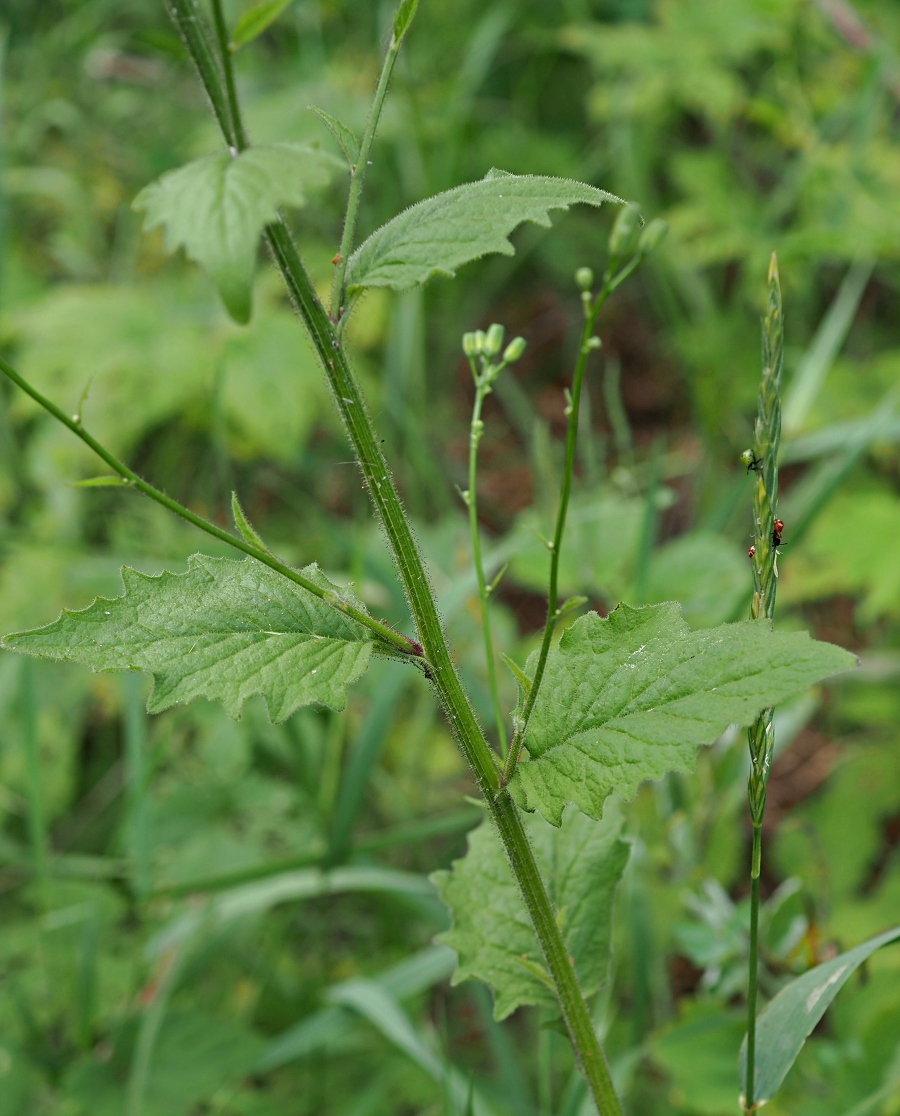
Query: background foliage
{"points": [[200, 915]]}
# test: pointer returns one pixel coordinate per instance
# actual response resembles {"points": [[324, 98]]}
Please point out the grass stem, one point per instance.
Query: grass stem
{"points": [[761, 737]]}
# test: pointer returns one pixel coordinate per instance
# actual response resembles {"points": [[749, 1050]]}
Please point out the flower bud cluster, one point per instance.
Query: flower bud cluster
{"points": [[488, 344]]}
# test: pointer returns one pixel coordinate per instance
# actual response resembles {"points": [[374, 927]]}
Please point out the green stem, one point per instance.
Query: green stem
{"points": [[754, 965], [761, 736], [482, 389], [187, 18], [591, 310], [237, 124], [357, 181], [382, 631], [440, 667]]}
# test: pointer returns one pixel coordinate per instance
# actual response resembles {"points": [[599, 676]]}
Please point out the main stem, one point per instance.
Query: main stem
{"points": [[482, 388], [367, 449]]}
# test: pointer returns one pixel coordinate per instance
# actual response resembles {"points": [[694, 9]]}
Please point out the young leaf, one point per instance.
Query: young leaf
{"points": [[438, 235], [216, 208], [632, 696], [581, 862], [343, 135], [225, 630], [243, 524], [255, 20], [789, 1019], [403, 17]]}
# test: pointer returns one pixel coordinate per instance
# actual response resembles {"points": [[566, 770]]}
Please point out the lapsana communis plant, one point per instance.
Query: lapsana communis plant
{"points": [[609, 703]]}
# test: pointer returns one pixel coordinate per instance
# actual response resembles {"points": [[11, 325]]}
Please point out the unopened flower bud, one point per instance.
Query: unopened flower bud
{"points": [[652, 236], [470, 344], [625, 231], [584, 277], [493, 340], [480, 341], [514, 350]]}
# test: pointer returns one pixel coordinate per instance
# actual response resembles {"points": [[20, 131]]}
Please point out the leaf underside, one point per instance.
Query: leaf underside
{"points": [[790, 1018], [442, 233], [225, 630], [632, 696], [217, 206], [581, 863]]}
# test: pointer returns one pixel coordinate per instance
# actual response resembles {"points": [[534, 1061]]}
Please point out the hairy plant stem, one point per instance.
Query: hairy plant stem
{"points": [[761, 736], [441, 670], [357, 181], [240, 136], [394, 641], [591, 310], [483, 383]]}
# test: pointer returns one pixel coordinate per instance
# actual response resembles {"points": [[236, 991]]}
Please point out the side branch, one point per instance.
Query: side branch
{"points": [[395, 641]]}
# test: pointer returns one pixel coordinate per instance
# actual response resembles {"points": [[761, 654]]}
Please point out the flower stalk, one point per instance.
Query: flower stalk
{"points": [[762, 460]]}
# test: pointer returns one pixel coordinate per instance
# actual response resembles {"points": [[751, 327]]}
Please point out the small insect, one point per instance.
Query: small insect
{"points": [[777, 528], [753, 463], [751, 552]]}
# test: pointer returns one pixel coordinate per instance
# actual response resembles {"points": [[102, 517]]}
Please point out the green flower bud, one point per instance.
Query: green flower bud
{"points": [[652, 236], [514, 350], [493, 340], [480, 342], [584, 277], [625, 231], [470, 344]]}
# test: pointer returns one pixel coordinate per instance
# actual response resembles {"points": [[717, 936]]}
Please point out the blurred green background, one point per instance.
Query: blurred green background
{"points": [[200, 916]]}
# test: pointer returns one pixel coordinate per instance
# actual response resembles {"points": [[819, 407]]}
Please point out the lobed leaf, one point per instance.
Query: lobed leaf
{"points": [[581, 863], [226, 629], [789, 1019], [217, 206], [632, 696], [442, 233]]}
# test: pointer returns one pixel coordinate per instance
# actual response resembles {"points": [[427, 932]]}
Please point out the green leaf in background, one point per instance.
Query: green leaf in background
{"points": [[225, 630], [442, 233], [789, 1019], [195, 1055], [581, 862], [255, 20], [602, 535], [632, 696], [217, 206], [696, 1051], [705, 573], [827, 562]]}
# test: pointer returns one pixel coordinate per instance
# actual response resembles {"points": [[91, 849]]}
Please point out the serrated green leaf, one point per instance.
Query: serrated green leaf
{"points": [[255, 20], [632, 696], [789, 1019], [581, 863], [442, 233], [343, 135], [226, 630], [216, 208]]}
